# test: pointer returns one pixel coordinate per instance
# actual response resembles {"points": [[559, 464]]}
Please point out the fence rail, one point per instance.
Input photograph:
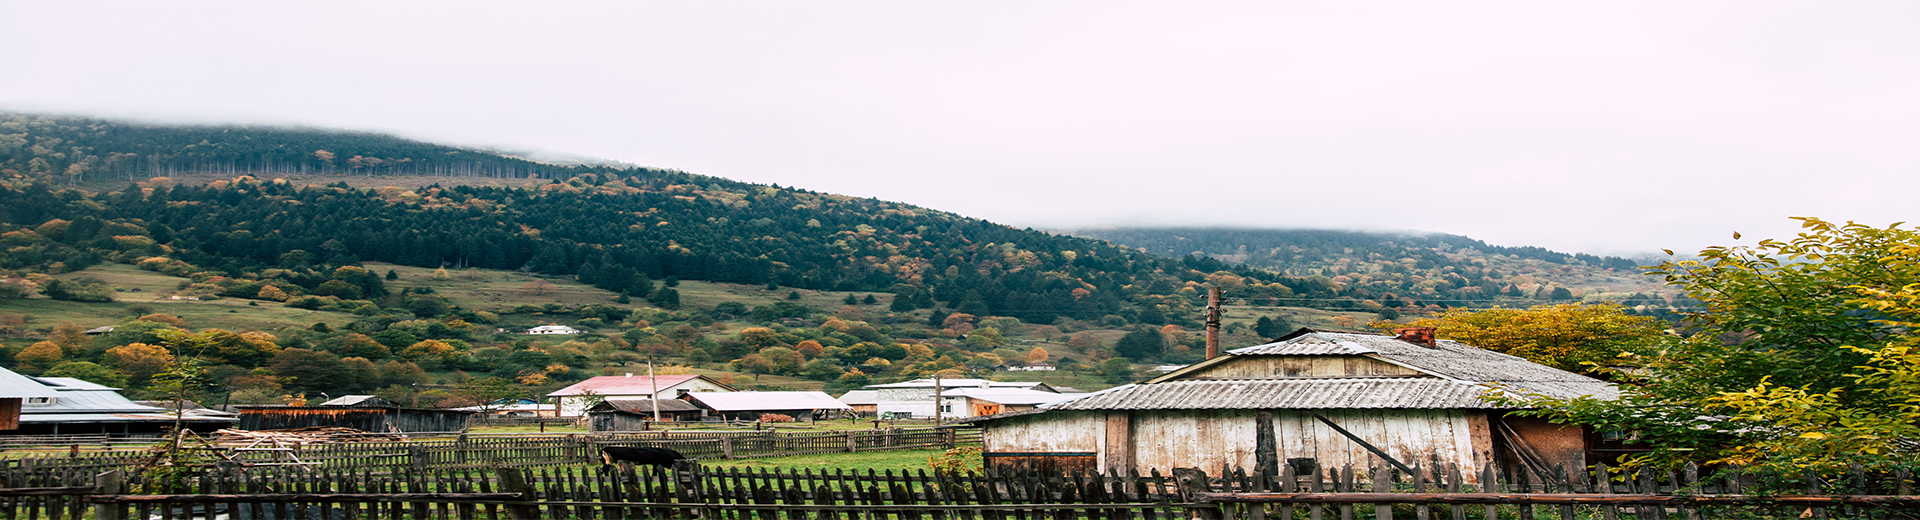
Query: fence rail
{"points": [[692, 491], [482, 451]]}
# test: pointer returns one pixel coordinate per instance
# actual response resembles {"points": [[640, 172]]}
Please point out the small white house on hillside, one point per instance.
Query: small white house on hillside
{"points": [[553, 329]]}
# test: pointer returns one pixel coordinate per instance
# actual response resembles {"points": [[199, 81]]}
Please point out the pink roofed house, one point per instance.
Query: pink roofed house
{"points": [[574, 400]]}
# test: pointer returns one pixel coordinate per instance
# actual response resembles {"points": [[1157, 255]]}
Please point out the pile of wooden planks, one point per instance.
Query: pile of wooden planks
{"points": [[300, 436]]}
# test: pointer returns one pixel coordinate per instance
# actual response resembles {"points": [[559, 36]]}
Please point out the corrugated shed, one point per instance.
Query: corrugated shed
{"points": [[756, 401], [1305, 394]]}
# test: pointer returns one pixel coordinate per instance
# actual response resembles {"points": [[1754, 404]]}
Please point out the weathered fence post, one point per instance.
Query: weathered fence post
{"points": [[110, 483], [417, 455], [512, 481], [851, 445], [460, 449], [726, 447], [1191, 482]]}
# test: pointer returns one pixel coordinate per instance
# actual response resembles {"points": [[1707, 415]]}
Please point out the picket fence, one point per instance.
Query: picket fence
{"points": [[475, 451], [691, 491]]}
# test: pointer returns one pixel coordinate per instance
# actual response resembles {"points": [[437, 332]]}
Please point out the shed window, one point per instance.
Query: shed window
{"points": [[39, 400]]}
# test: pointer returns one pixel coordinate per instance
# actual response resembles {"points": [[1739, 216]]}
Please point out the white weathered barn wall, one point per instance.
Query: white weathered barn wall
{"points": [[1219, 440], [1207, 439], [1055, 432], [1413, 436]]}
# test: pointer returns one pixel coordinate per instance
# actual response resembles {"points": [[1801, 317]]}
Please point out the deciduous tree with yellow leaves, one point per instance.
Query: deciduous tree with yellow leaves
{"points": [[1805, 357], [1575, 337]]}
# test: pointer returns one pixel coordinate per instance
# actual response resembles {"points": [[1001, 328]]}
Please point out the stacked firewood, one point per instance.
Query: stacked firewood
{"points": [[301, 436]]}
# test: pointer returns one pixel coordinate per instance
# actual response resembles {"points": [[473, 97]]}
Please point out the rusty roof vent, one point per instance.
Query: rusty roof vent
{"points": [[1417, 335]]}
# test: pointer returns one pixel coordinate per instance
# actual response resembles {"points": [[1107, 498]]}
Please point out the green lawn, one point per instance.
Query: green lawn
{"points": [[897, 460]]}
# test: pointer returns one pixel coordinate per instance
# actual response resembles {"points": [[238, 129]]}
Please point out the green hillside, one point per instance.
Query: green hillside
{"points": [[295, 281], [1403, 269]]}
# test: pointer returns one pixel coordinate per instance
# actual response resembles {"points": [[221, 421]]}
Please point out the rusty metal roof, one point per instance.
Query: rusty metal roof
{"points": [[1299, 394], [644, 406]]}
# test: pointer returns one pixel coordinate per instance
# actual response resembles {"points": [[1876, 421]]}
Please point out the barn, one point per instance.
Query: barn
{"points": [[381, 419], [628, 415], [1330, 398]]}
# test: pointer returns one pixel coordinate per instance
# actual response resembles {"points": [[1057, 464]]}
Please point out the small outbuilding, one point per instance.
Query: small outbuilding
{"points": [[973, 402], [81, 407], [553, 329], [749, 406], [1321, 398], [377, 419], [866, 402], [628, 415]]}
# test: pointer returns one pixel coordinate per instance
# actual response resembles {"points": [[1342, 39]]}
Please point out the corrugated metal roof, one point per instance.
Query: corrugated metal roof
{"points": [[1448, 358], [748, 401], [646, 405], [88, 401], [118, 417], [69, 383], [1416, 393], [861, 397], [623, 385], [16, 385], [357, 400]]}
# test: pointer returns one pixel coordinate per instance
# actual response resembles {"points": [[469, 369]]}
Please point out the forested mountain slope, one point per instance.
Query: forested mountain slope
{"points": [[1435, 267], [70, 150]]}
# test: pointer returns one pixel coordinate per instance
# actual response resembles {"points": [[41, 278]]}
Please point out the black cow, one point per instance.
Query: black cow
{"points": [[662, 457]]}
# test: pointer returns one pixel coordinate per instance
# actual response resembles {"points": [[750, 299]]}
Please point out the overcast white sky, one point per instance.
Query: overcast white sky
{"points": [[1606, 127]]}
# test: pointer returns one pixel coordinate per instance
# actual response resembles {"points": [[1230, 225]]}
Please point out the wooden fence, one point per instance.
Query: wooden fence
{"points": [[475, 451], [731, 494]]}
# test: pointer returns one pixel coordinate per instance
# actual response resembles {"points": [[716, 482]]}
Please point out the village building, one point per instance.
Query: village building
{"points": [[1311, 398], [376, 419], [574, 400], [81, 407], [749, 406], [632, 415], [863, 402], [961, 403], [15, 392], [1029, 367], [915, 398], [553, 329]]}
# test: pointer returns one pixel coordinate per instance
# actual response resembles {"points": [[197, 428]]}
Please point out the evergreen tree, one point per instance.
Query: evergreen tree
{"points": [[795, 295], [870, 300], [1141, 343], [850, 300], [391, 275]]}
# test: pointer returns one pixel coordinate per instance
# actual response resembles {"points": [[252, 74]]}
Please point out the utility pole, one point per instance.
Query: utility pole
{"points": [[1213, 322], [936, 399], [654, 397]]}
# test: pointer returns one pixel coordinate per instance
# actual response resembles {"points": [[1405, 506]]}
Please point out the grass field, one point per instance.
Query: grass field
{"points": [[227, 313], [897, 460]]}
